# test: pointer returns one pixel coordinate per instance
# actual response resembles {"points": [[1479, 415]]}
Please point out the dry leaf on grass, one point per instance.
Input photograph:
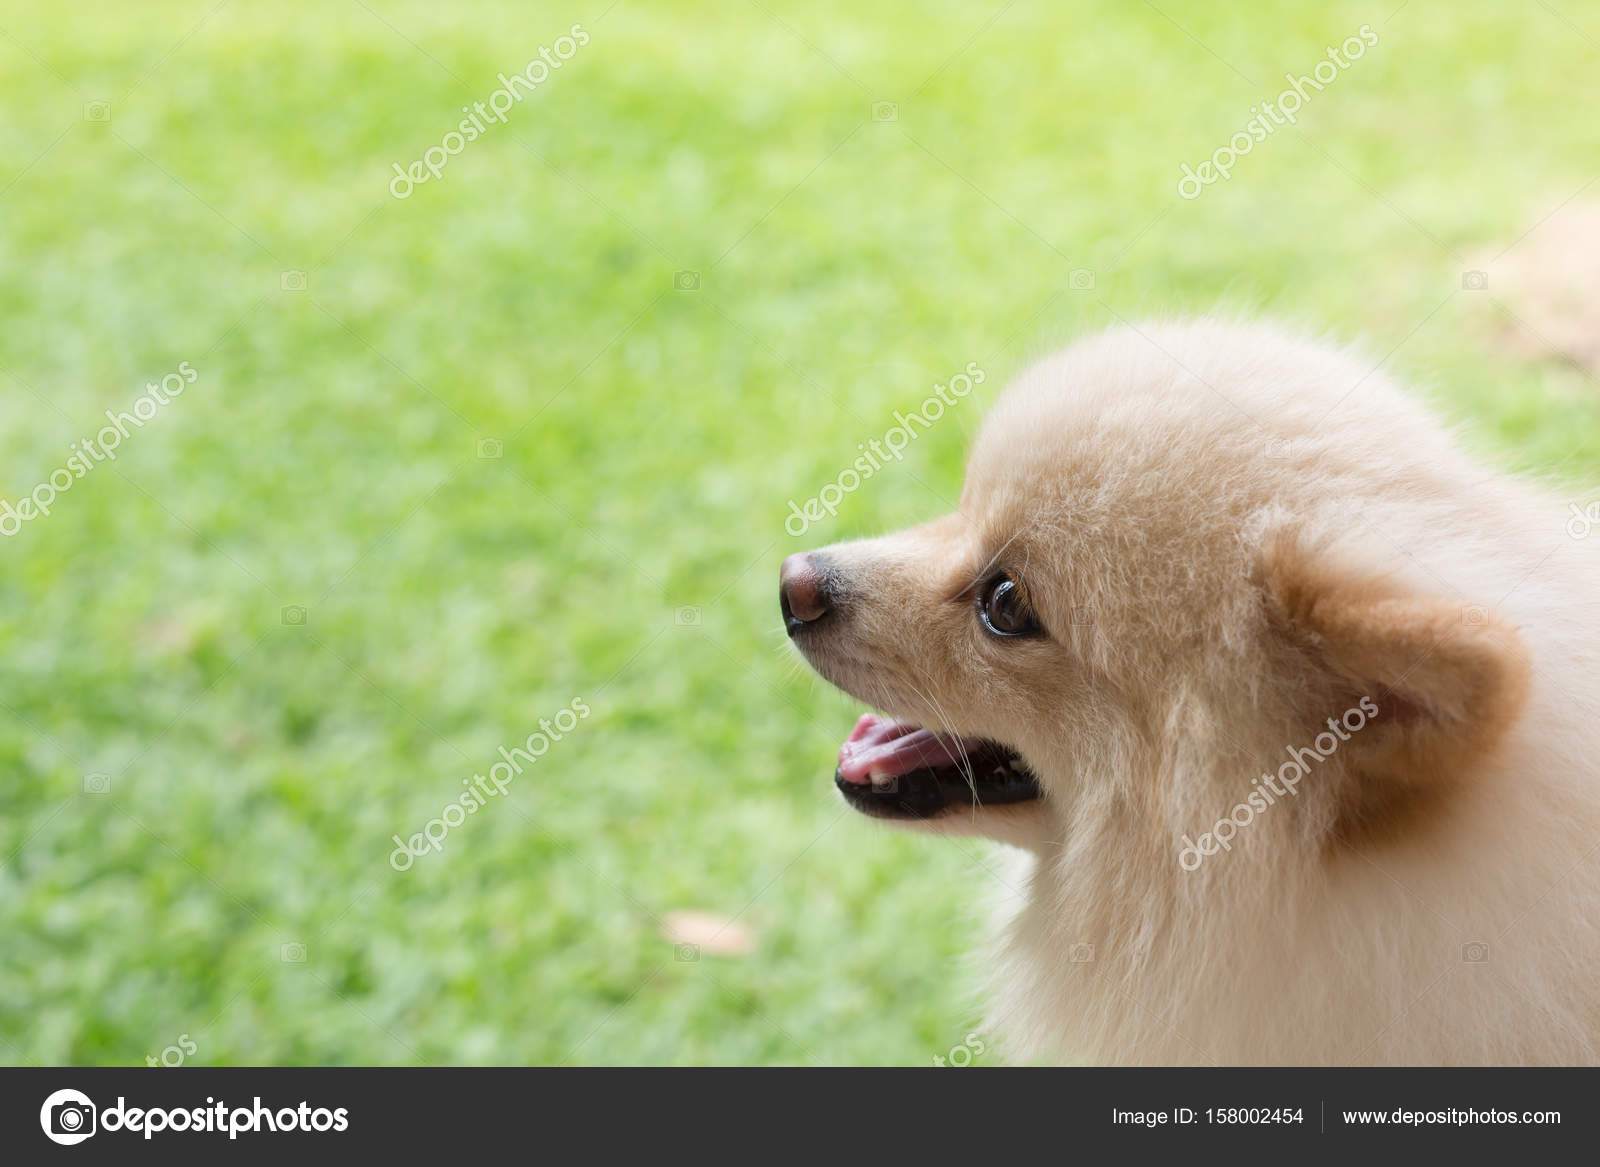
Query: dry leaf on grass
{"points": [[1549, 283], [708, 932]]}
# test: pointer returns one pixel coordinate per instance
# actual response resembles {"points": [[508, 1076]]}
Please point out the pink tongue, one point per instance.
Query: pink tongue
{"points": [[880, 747]]}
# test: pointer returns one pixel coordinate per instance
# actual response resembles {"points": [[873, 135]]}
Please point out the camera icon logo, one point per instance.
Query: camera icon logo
{"points": [[885, 111], [1475, 952], [97, 111], [1474, 616], [292, 953], [687, 616], [1474, 281], [68, 1117], [490, 449], [686, 953], [1280, 448], [292, 281], [1081, 953], [1081, 280], [1082, 615], [97, 784], [686, 281], [294, 616]]}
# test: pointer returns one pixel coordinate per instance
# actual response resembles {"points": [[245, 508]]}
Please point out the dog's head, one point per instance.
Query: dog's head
{"points": [[1173, 557]]}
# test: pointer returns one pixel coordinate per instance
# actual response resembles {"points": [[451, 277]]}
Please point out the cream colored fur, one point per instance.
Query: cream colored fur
{"points": [[1232, 535]]}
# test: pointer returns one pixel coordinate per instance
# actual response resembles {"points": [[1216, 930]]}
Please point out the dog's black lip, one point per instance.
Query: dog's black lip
{"points": [[998, 773]]}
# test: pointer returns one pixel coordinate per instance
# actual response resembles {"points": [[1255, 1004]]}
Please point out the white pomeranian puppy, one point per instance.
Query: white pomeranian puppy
{"points": [[1291, 710]]}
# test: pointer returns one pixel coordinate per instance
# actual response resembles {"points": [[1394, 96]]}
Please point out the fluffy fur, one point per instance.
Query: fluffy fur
{"points": [[1230, 536]]}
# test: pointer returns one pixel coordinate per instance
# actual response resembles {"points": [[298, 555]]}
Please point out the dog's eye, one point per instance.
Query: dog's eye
{"points": [[1004, 609]]}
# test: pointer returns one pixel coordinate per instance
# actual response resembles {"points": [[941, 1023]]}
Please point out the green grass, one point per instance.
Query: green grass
{"points": [[326, 458]]}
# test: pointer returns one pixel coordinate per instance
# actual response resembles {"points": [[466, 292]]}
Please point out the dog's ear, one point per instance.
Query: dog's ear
{"points": [[1447, 678]]}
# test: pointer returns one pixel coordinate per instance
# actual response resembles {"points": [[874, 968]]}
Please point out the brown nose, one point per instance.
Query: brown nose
{"points": [[802, 592]]}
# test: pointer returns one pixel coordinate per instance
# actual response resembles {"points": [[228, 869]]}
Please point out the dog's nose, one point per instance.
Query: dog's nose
{"points": [[802, 592]]}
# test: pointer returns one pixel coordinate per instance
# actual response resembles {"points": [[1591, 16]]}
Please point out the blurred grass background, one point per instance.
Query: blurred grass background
{"points": [[328, 458]]}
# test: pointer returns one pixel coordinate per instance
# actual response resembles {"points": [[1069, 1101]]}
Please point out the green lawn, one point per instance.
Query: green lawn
{"points": [[197, 787]]}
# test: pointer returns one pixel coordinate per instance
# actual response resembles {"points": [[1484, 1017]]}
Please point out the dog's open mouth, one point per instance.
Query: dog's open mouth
{"points": [[897, 770]]}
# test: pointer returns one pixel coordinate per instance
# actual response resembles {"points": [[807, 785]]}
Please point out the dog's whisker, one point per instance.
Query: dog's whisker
{"points": [[983, 572], [944, 725]]}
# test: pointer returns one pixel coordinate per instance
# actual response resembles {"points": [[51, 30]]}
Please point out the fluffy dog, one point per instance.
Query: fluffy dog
{"points": [[1292, 712]]}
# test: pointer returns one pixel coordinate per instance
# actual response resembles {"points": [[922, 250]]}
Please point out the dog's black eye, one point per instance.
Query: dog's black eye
{"points": [[1004, 609]]}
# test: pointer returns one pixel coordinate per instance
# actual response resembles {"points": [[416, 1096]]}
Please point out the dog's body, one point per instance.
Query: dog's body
{"points": [[1184, 557]]}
